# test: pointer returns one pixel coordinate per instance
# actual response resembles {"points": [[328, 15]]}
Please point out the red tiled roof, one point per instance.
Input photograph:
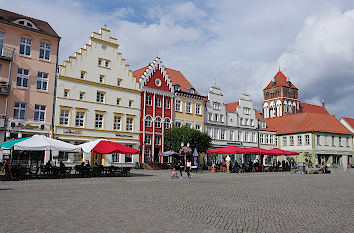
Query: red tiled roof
{"points": [[280, 80], [310, 108], [176, 77], [258, 115], [43, 27], [350, 121], [231, 107], [305, 122]]}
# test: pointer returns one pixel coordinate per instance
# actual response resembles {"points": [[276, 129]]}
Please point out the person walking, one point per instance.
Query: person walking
{"points": [[181, 167], [188, 168]]}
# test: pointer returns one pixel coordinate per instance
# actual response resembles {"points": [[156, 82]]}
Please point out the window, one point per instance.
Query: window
{"points": [[64, 117], [348, 142], [20, 111], [167, 123], [117, 122], [188, 107], [239, 135], [22, 77], [100, 97], [99, 120], [107, 64], [198, 109], [307, 139], [261, 138], [241, 121], [178, 124], [99, 62], [198, 126], [118, 101], [246, 121], [267, 139], [291, 141], [216, 133], [246, 111], [39, 112], [79, 119], [83, 75], [325, 140], [332, 140], [216, 117], [209, 132], [210, 117], [158, 122], [66, 93], [318, 140], [119, 81], [128, 158], [189, 124], [254, 138], [115, 158], [222, 134], [231, 135], [148, 139], [179, 105], [216, 106], [252, 122], [129, 125], [148, 121], [158, 102], [101, 78], [340, 141], [149, 100], [221, 118], [42, 81], [25, 46], [2, 35], [130, 103], [157, 140], [299, 140], [44, 52], [247, 137], [167, 104], [284, 141], [177, 87], [82, 95]]}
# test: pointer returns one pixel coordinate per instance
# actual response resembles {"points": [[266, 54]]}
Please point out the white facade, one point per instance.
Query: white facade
{"points": [[97, 97]]}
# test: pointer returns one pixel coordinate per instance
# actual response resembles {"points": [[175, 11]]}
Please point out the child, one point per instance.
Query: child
{"points": [[174, 174]]}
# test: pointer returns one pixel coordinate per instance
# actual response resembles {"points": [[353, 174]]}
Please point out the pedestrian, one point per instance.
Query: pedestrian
{"points": [[188, 168], [174, 174], [181, 167]]}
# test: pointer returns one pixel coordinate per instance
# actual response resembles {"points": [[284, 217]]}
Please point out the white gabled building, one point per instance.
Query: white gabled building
{"points": [[97, 97]]}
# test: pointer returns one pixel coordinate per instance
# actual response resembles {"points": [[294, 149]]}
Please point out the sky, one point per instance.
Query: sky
{"points": [[239, 45]]}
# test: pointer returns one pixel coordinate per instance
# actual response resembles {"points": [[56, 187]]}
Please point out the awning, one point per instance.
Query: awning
{"points": [[41, 143], [102, 146], [11, 143], [227, 150]]}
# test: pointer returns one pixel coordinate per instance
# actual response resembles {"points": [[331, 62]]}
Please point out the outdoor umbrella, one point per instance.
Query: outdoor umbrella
{"points": [[41, 143], [11, 143], [227, 150], [257, 151], [169, 153], [102, 146], [278, 152], [195, 156]]}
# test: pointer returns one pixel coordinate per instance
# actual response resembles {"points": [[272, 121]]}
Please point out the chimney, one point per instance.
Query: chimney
{"points": [[323, 103]]}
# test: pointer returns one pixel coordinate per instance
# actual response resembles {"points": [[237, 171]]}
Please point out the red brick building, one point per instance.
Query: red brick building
{"points": [[157, 98]]}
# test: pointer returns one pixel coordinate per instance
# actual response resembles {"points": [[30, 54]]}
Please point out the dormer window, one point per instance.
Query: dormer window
{"points": [[26, 23], [177, 87], [191, 90]]}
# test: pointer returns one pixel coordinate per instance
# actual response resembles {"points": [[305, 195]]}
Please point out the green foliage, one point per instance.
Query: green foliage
{"points": [[196, 139]]}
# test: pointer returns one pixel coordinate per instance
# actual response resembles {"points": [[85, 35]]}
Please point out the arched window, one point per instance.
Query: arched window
{"points": [[289, 108], [148, 121], [167, 123], [158, 122], [279, 108]]}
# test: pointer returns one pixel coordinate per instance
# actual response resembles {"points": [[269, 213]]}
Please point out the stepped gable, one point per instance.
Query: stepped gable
{"points": [[310, 108], [176, 77], [306, 122], [280, 80], [9, 17]]}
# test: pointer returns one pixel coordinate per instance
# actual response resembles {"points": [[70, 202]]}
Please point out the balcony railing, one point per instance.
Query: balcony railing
{"points": [[4, 88], [7, 53], [3, 121]]}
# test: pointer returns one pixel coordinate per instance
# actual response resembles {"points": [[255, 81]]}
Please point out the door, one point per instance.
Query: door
{"points": [[156, 154], [96, 158]]}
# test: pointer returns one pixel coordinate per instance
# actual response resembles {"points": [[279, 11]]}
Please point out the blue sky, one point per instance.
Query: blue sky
{"points": [[241, 44]]}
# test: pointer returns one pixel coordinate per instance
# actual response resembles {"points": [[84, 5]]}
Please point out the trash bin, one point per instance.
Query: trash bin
{"points": [[301, 168]]}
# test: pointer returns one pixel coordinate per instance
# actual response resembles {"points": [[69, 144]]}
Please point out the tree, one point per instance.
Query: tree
{"points": [[196, 139]]}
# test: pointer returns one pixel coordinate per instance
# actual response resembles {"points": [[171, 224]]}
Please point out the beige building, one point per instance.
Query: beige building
{"points": [[97, 97]]}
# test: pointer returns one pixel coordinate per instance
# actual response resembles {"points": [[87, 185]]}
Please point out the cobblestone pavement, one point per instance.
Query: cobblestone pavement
{"points": [[151, 202]]}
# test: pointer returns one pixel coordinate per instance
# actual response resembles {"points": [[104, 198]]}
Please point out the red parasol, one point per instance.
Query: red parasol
{"points": [[109, 147], [278, 152], [257, 151], [226, 150]]}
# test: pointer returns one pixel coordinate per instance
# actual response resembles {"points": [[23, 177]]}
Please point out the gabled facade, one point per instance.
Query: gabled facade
{"points": [[28, 60], [98, 97], [156, 116]]}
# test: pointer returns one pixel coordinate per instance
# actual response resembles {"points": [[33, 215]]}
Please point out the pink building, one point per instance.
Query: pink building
{"points": [[28, 61]]}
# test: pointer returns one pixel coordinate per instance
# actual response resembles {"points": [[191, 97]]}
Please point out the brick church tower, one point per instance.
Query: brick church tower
{"points": [[280, 97]]}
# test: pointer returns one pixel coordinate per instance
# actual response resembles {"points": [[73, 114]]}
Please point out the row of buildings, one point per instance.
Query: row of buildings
{"points": [[94, 94]]}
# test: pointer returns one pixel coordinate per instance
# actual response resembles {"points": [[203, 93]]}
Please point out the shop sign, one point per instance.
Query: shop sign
{"points": [[24, 126], [69, 131], [124, 135]]}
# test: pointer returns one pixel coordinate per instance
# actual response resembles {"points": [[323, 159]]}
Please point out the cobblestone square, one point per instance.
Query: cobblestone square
{"points": [[149, 201]]}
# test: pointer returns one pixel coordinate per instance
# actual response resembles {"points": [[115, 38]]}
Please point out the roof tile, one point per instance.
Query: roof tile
{"points": [[280, 80]]}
